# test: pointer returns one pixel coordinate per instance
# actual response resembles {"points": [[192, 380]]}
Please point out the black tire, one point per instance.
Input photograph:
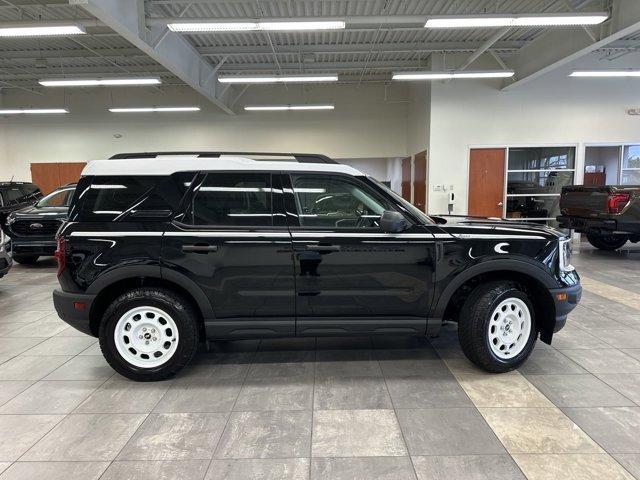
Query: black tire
{"points": [[26, 259], [607, 242], [474, 322], [182, 313]]}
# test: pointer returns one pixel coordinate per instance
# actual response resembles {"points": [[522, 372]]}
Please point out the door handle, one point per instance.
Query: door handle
{"points": [[200, 248], [323, 248]]}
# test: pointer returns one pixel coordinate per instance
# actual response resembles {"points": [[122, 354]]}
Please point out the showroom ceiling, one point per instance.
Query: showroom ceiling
{"points": [[383, 38]]}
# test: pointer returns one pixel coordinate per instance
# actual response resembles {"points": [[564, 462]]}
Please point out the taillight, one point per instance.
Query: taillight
{"points": [[61, 254], [617, 201]]}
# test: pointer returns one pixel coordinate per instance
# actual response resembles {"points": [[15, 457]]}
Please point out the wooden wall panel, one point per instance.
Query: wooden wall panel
{"points": [[420, 180], [486, 182], [406, 178], [49, 176]]}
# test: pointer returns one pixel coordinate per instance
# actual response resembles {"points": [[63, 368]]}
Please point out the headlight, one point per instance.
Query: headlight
{"points": [[565, 256]]}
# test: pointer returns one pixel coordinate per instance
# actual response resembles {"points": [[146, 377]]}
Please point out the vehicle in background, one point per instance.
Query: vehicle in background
{"points": [[33, 229], [5, 258], [608, 215], [162, 252], [16, 195]]}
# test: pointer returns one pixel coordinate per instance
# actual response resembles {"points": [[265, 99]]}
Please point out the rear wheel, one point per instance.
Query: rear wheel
{"points": [[26, 259], [149, 334], [497, 329], [607, 242]]}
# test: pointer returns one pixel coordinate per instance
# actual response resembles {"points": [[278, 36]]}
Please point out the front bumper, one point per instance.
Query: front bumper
{"points": [[38, 247], [67, 305], [565, 299], [5, 263]]}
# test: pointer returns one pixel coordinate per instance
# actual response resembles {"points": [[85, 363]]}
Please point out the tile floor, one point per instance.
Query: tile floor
{"points": [[327, 408]]}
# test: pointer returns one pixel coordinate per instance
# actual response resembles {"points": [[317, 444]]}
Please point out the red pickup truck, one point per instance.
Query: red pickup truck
{"points": [[608, 215]]}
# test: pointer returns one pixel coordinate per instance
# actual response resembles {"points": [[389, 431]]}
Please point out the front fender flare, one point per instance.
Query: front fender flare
{"points": [[509, 265]]}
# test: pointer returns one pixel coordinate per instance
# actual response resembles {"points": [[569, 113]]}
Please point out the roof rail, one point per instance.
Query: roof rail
{"points": [[298, 157]]}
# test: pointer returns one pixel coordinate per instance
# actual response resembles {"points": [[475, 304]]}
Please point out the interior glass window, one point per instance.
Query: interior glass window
{"points": [[59, 198], [333, 202], [233, 199]]}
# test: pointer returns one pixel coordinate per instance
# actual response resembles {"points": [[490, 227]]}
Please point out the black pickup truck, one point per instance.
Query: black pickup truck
{"points": [[608, 215]]}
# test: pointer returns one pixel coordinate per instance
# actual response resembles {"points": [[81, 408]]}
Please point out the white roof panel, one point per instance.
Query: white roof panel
{"points": [[168, 164]]}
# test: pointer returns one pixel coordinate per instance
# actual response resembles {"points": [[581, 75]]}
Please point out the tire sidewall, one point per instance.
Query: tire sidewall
{"points": [[107, 328], [533, 334]]}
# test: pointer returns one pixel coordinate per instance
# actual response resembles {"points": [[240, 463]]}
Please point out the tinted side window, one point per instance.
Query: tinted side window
{"points": [[232, 199], [12, 195], [335, 202], [119, 197]]}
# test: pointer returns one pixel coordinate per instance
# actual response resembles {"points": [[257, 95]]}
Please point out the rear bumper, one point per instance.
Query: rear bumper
{"points": [[597, 225], [67, 306], [565, 299], [36, 247]]}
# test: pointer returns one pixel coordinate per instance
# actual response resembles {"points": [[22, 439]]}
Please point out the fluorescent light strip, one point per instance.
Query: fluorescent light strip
{"points": [[154, 109], [452, 75], [41, 31], [29, 111], [281, 26], [263, 108], [605, 73], [99, 82], [280, 79], [543, 20]]}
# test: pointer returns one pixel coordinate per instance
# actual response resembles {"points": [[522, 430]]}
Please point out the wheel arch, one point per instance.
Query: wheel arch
{"points": [[536, 282], [111, 285]]}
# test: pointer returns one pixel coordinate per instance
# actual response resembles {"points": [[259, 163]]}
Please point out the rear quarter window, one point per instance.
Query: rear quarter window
{"points": [[106, 198]]}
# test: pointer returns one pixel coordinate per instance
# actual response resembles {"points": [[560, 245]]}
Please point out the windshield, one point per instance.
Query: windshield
{"points": [[59, 198], [413, 209]]}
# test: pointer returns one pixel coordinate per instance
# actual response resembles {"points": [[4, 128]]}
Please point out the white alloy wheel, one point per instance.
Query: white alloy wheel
{"points": [[509, 328], [146, 337]]}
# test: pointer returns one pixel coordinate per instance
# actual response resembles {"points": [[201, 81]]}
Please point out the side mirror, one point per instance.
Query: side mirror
{"points": [[393, 222]]}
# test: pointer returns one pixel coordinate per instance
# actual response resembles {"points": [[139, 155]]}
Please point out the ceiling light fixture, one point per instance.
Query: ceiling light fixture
{"points": [[99, 82], [34, 30], [605, 73], [527, 20], [280, 79], [26, 111], [452, 75], [282, 26], [288, 107], [154, 109]]}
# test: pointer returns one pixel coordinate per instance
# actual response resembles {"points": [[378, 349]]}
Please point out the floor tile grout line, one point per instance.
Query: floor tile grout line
{"points": [[231, 412], [313, 405], [604, 451], [395, 414], [475, 407]]}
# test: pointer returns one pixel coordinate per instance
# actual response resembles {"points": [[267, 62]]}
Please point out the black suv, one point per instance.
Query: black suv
{"points": [[16, 195], [162, 252], [32, 229]]}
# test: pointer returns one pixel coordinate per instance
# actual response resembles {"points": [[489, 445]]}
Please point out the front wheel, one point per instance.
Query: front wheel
{"points": [[607, 242], [497, 328], [149, 334]]}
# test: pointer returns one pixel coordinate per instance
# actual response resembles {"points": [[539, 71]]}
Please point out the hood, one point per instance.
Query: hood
{"points": [[32, 212], [495, 226]]}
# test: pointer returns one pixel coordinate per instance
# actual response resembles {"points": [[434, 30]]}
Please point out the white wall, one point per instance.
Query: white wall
{"points": [[418, 117], [364, 125], [550, 110]]}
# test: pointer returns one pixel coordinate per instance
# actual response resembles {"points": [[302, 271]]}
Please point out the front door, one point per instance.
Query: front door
{"points": [[350, 276], [486, 182], [233, 242]]}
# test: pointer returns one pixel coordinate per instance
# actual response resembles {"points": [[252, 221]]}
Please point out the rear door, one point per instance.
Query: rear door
{"points": [[234, 243], [351, 277]]}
